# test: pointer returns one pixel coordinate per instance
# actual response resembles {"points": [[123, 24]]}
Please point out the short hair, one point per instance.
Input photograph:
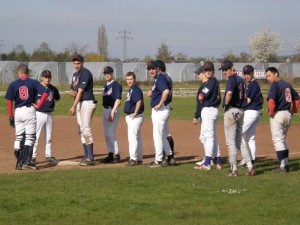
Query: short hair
{"points": [[272, 70], [22, 68], [128, 74]]}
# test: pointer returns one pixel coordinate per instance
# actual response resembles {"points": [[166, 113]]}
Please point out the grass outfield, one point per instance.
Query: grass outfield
{"points": [[140, 195]]}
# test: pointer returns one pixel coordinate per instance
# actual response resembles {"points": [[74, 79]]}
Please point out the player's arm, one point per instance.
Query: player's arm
{"points": [[137, 108], [76, 101], [228, 98], [271, 107], [164, 97], [114, 109], [10, 111]]}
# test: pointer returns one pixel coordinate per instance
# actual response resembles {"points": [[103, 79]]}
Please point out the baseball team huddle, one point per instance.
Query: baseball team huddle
{"points": [[34, 103]]}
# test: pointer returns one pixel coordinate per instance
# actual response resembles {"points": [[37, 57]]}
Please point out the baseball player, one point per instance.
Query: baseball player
{"points": [[84, 106], [112, 95], [210, 99], [252, 114], [23, 92], [283, 101], [160, 114], [162, 69], [134, 108], [44, 118], [233, 103]]}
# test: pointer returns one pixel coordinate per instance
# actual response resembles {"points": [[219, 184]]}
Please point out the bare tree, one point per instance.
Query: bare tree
{"points": [[297, 45], [163, 53], [102, 42], [264, 45], [77, 48]]}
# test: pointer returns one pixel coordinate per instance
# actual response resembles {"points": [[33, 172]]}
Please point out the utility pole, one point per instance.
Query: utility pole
{"points": [[1, 44], [124, 36]]}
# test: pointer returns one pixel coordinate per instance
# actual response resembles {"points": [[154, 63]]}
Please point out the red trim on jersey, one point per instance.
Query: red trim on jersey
{"points": [[43, 99], [271, 107], [201, 97], [295, 105], [10, 108]]}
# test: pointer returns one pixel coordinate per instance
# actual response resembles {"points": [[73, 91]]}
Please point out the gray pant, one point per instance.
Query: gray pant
{"points": [[233, 127]]}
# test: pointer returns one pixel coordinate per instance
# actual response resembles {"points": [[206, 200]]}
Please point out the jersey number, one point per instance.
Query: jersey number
{"points": [[23, 92], [288, 95]]}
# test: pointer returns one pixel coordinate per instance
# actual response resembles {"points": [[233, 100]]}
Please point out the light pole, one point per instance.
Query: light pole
{"points": [[124, 37]]}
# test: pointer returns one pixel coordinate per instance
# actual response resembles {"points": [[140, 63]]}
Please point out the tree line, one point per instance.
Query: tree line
{"points": [[264, 46]]}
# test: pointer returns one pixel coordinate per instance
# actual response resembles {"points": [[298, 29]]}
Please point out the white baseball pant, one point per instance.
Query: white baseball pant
{"points": [[84, 114], [208, 134], [134, 137], [280, 124], [110, 131], [251, 119], [159, 120], [43, 122], [25, 122]]}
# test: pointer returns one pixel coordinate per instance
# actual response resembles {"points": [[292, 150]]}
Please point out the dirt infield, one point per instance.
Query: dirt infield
{"points": [[67, 146]]}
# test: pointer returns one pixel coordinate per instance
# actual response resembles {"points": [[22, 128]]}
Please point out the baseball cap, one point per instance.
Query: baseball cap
{"points": [[248, 69], [226, 64], [77, 57], [209, 66], [200, 70], [152, 64], [107, 70], [46, 73], [161, 64]]}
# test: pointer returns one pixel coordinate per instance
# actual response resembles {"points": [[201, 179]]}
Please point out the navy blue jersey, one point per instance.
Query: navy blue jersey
{"points": [[254, 93], [134, 95], [111, 93], [211, 92], [53, 95], [236, 85], [160, 84], [283, 94], [83, 79], [24, 91], [198, 104]]}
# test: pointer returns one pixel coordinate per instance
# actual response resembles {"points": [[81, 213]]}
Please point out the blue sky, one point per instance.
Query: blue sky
{"points": [[192, 27]]}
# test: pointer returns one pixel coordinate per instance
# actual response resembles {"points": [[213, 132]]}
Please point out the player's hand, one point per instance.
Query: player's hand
{"points": [[195, 121], [157, 107], [34, 105], [12, 121], [72, 111], [72, 93], [132, 115], [111, 116], [149, 93]]}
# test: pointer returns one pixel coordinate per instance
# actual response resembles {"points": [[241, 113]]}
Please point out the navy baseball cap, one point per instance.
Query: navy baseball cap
{"points": [[152, 64], [77, 57], [46, 73], [248, 69], [226, 64], [209, 66], [200, 70], [161, 64], [107, 70]]}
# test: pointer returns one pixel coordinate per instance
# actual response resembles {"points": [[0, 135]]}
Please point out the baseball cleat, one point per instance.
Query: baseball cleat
{"points": [[155, 164], [219, 166], [117, 158], [108, 159], [203, 167], [131, 162], [232, 173], [201, 162], [52, 160], [250, 173], [87, 162]]}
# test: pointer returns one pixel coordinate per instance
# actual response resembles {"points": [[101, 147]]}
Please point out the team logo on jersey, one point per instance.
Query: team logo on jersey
{"points": [[75, 81], [205, 90], [108, 92], [288, 95], [128, 97], [50, 97]]}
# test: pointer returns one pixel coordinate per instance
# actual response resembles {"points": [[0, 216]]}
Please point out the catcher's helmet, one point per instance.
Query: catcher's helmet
{"points": [[161, 65]]}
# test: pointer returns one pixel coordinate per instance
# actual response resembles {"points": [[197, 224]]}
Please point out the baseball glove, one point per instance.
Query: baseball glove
{"points": [[12, 121]]}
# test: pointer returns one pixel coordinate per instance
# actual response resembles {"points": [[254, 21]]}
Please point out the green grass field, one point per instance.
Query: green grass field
{"points": [[140, 195]]}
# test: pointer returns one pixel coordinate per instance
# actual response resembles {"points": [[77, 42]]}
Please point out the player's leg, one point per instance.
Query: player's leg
{"points": [[140, 142], [250, 134], [40, 124], [216, 146], [87, 110], [230, 130], [109, 146], [19, 136], [158, 126], [30, 130]]}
